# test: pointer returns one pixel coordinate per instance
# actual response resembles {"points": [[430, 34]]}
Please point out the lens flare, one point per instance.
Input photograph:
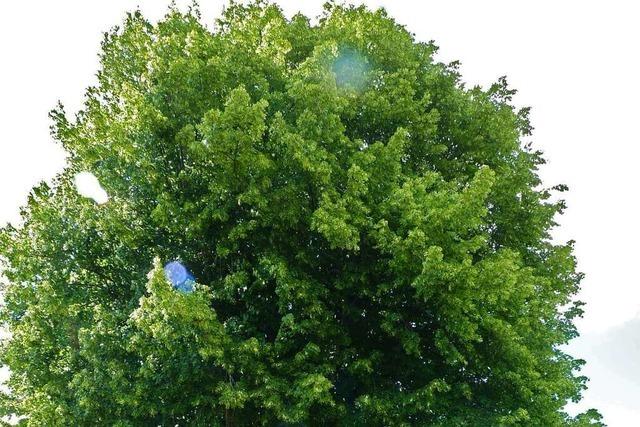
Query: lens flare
{"points": [[179, 277], [351, 69]]}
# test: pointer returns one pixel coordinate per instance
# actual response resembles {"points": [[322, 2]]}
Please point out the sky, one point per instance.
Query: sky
{"points": [[574, 62]]}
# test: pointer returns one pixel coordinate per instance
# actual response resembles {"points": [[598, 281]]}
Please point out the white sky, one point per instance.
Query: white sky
{"points": [[575, 62]]}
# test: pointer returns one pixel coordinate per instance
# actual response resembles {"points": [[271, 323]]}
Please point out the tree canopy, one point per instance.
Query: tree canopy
{"points": [[368, 238]]}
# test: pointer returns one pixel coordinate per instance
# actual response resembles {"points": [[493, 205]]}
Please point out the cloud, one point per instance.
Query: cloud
{"points": [[89, 186], [613, 367]]}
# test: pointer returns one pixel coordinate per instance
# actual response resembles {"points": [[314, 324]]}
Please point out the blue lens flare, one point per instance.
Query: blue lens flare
{"points": [[179, 277], [351, 69]]}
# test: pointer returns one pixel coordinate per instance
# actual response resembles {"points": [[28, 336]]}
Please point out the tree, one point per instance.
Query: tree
{"points": [[369, 238]]}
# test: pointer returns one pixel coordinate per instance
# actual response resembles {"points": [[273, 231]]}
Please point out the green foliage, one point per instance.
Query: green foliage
{"points": [[369, 237]]}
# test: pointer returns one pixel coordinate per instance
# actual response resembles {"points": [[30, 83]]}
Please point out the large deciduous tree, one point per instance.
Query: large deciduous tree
{"points": [[369, 238]]}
